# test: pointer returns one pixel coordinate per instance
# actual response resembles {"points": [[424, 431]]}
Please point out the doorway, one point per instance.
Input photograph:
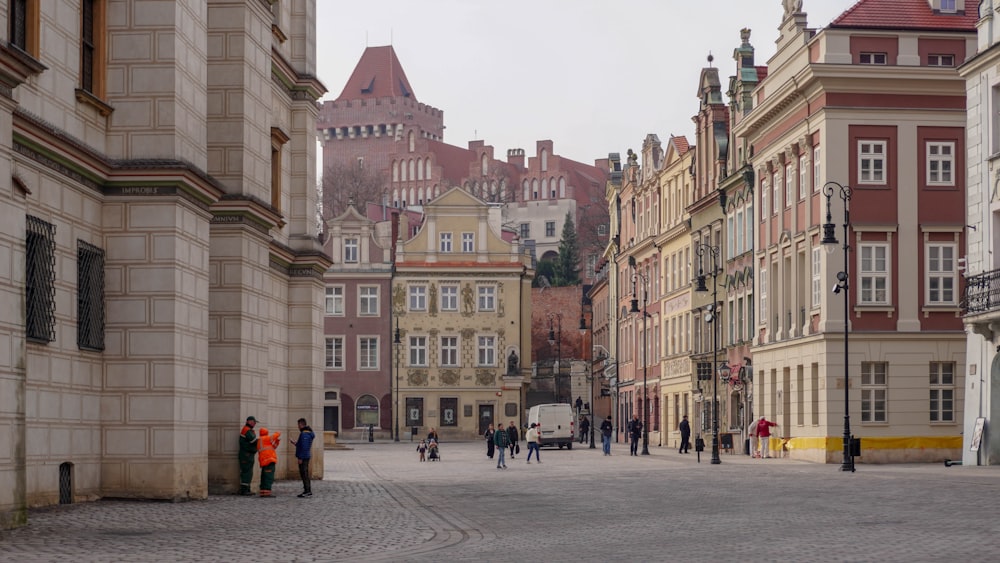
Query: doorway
{"points": [[485, 418]]}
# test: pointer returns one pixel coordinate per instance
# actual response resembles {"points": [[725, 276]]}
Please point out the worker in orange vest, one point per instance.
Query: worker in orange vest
{"points": [[267, 456]]}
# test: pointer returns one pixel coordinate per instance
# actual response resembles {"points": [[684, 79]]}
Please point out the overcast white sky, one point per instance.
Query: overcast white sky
{"points": [[594, 76]]}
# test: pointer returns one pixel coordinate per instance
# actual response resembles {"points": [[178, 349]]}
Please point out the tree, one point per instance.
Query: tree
{"points": [[568, 264], [545, 274], [344, 183]]}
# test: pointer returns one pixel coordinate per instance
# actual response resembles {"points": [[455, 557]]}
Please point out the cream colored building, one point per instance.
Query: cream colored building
{"points": [[461, 296], [161, 275], [673, 241]]}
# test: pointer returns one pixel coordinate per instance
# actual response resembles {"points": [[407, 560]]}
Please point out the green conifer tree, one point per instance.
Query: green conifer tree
{"points": [[568, 264]]}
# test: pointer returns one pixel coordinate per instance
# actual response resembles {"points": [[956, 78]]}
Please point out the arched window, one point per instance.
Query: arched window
{"points": [[545, 187], [524, 188], [486, 164], [437, 190], [562, 187], [552, 185], [412, 170], [395, 198], [545, 160], [367, 411], [534, 188], [420, 196], [420, 170], [427, 166], [412, 142], [402, 171], [413, 196], [395, 171]]}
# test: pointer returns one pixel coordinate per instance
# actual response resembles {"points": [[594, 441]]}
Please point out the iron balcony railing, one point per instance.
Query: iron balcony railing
{"points": [[982, 293]]}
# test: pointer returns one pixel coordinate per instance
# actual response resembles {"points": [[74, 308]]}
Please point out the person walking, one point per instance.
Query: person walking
{"points": [[303, 454], [584, 429], [606, 429], [267, 456], [685, 428], [432, 435], [422, 450], [531, 438], [635, 432], [490, 446], [752, 432], [248, 447], [764, 433], [500, 439], [512, 435], [579, 405]]}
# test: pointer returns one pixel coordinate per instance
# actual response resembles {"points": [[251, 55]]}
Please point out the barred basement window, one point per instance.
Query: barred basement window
{"points": [[89, 296], [40, 289]]}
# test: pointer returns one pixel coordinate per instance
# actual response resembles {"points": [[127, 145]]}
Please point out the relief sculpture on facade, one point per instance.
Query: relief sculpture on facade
{"points": [[485, 378], [468, 302], [450, 376], [432, 305], [399, 299], [417, 377]]}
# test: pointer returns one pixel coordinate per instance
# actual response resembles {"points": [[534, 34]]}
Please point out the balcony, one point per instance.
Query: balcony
{"points": [[982, 293]]}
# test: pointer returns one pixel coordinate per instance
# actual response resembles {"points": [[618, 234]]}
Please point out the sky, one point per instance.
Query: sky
{"points": [[593, 76]]}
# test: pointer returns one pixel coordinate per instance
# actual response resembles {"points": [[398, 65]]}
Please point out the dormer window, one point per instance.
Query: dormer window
{"points": [[872, 58], [949, 6]]}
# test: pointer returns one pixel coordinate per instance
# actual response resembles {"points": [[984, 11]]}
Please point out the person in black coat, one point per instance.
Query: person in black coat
{"points": [[490, 446], [685, 428], [635, 432], [512, 435]]}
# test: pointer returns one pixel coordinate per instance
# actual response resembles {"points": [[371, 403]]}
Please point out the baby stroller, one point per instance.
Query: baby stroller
{"points": [[433, 454]]}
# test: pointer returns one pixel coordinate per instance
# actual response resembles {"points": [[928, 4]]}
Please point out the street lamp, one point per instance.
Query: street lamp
{"points": [[830, 238], [556, 338], [636, 275], [395, 409], [712, 316], [590, 374]]}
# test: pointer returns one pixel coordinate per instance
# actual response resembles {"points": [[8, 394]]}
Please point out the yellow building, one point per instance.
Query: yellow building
{"points": [[461, 297]]}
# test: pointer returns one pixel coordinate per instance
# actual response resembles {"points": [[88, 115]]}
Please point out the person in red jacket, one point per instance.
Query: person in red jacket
{"points": [[267, 456], [764, 433]]}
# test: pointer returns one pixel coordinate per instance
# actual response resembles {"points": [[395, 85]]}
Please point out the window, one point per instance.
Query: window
{"points": [[89, 297], [449, 297], [418, 298], [776, 191], [817, 282], [335, 352], [730, 236], [873, 391], [368, 296], [940, 164], [449, 411], [40, 288], [872, 58], [789, 185], [24, 25], [468, 242], [487, 297], [335, 300], [418, 350], [871, 162], [602, 230], [942, 392], [486, 351], [874, 274], [445, 244], [803, 177], [763, 295], [92, 32], [741, 243], [763, 200], [948, 6], [278, 140], [525, 230], [350, 250], [941, 274], [941, 60], [449, 351], [817, 170], [550, 228], [368, 352]]}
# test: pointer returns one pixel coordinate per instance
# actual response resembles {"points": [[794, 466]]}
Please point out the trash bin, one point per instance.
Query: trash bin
{"points": [[855, 447], [413, 432], [699, 444]]}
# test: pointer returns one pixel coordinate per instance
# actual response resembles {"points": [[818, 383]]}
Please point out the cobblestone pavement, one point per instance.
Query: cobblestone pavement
{"points": [[378, 503]]}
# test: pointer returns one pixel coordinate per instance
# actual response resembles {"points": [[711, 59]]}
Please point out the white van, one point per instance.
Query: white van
{"points": [[557, 420]]}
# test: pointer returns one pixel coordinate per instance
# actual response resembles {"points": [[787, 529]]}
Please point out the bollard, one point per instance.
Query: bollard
{"points": [[949, 463]]}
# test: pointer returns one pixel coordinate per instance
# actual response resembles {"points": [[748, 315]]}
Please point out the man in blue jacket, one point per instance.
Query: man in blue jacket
{"points": [[303, 453]]}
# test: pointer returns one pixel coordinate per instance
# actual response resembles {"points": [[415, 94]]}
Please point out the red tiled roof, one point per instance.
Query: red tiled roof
{"points": [[904, 14], [454, 161], [378, 74], [680, 144]]}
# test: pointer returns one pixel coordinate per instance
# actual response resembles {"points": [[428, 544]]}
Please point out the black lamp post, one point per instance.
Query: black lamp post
{"points": [[395, 409], [830, 238], [590, 374], [712, 316], [637, 275], [555, 337]]}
